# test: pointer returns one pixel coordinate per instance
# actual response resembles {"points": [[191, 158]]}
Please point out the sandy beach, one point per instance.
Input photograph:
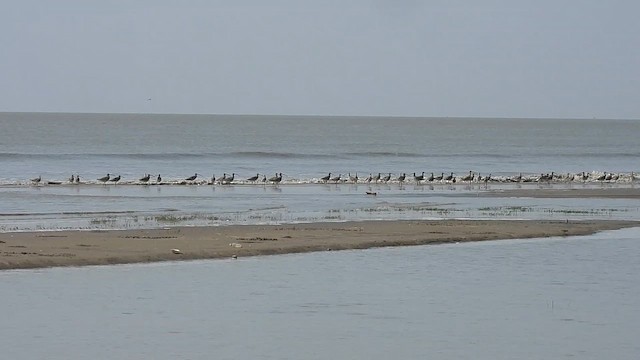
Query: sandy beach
{"points": [[78, 248]]}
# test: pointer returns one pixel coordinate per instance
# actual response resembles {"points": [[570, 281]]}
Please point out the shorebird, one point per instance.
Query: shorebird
{"points": [[439, 178], [228, 180], [386, 178], [449, 177], [276, 179], [145, 178], [264, 179], [77, 179], [213, 180], [115, 179], [37, 180], [430, 178], [158, 179], [353, 179], [254, 178], [193, 177], [72, 179], [377, 178], [401, 178], [104, 179], [335, 179], [418, 178], [546, 177], [469, 177], [369, 178], [324, 179], [517, 178]]}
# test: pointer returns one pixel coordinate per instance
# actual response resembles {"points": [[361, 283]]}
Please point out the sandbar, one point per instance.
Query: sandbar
{"points": [[568, 193], [22, 250]]}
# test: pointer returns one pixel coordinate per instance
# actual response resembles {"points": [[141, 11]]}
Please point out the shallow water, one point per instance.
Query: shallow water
{"points": [[129, 207], [55, 146], [558, 298]]}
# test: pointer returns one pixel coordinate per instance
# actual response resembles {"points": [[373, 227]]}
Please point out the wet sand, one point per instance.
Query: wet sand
{"points": [[604, 193], [78, 248]]}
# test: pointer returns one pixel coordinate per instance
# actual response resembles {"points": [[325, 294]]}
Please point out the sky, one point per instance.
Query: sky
{"points": [[490, 58]]}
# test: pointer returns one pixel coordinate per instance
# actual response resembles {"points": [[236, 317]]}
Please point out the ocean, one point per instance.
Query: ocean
{"points": [[53, 147], [556, 298]]}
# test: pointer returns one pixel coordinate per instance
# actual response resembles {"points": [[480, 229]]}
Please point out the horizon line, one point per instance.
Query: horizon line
{"points": [[321, 115]]}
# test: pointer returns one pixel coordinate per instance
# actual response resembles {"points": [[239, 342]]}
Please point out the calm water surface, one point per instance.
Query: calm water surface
{"points": [[569, 298], [304, 149]]}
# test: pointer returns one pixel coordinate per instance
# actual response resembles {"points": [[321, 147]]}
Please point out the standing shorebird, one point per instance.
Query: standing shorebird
{"points": [[254, 178], [228, 180], [192, 177], [77, 179], [115, 179], [377, 178], [353, 179], [386, 178], [401, 178], [37, 180], [72, 179], [145, 178], [104, 179], [369, 178], [324, 179], [546, 177], [418, 178], [158, 179], [469, 177], [276, 179], [335, 179]]}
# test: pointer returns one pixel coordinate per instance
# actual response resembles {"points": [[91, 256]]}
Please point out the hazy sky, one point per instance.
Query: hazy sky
{"points": [[506, 58]]}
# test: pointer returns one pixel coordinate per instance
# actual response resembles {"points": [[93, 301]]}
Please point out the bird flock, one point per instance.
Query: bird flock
{"points": [[379, 178]]}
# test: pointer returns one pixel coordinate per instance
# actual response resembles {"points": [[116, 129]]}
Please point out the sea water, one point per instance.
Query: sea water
{"points": [[304, 149], [574, 297], [556, 298]]}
